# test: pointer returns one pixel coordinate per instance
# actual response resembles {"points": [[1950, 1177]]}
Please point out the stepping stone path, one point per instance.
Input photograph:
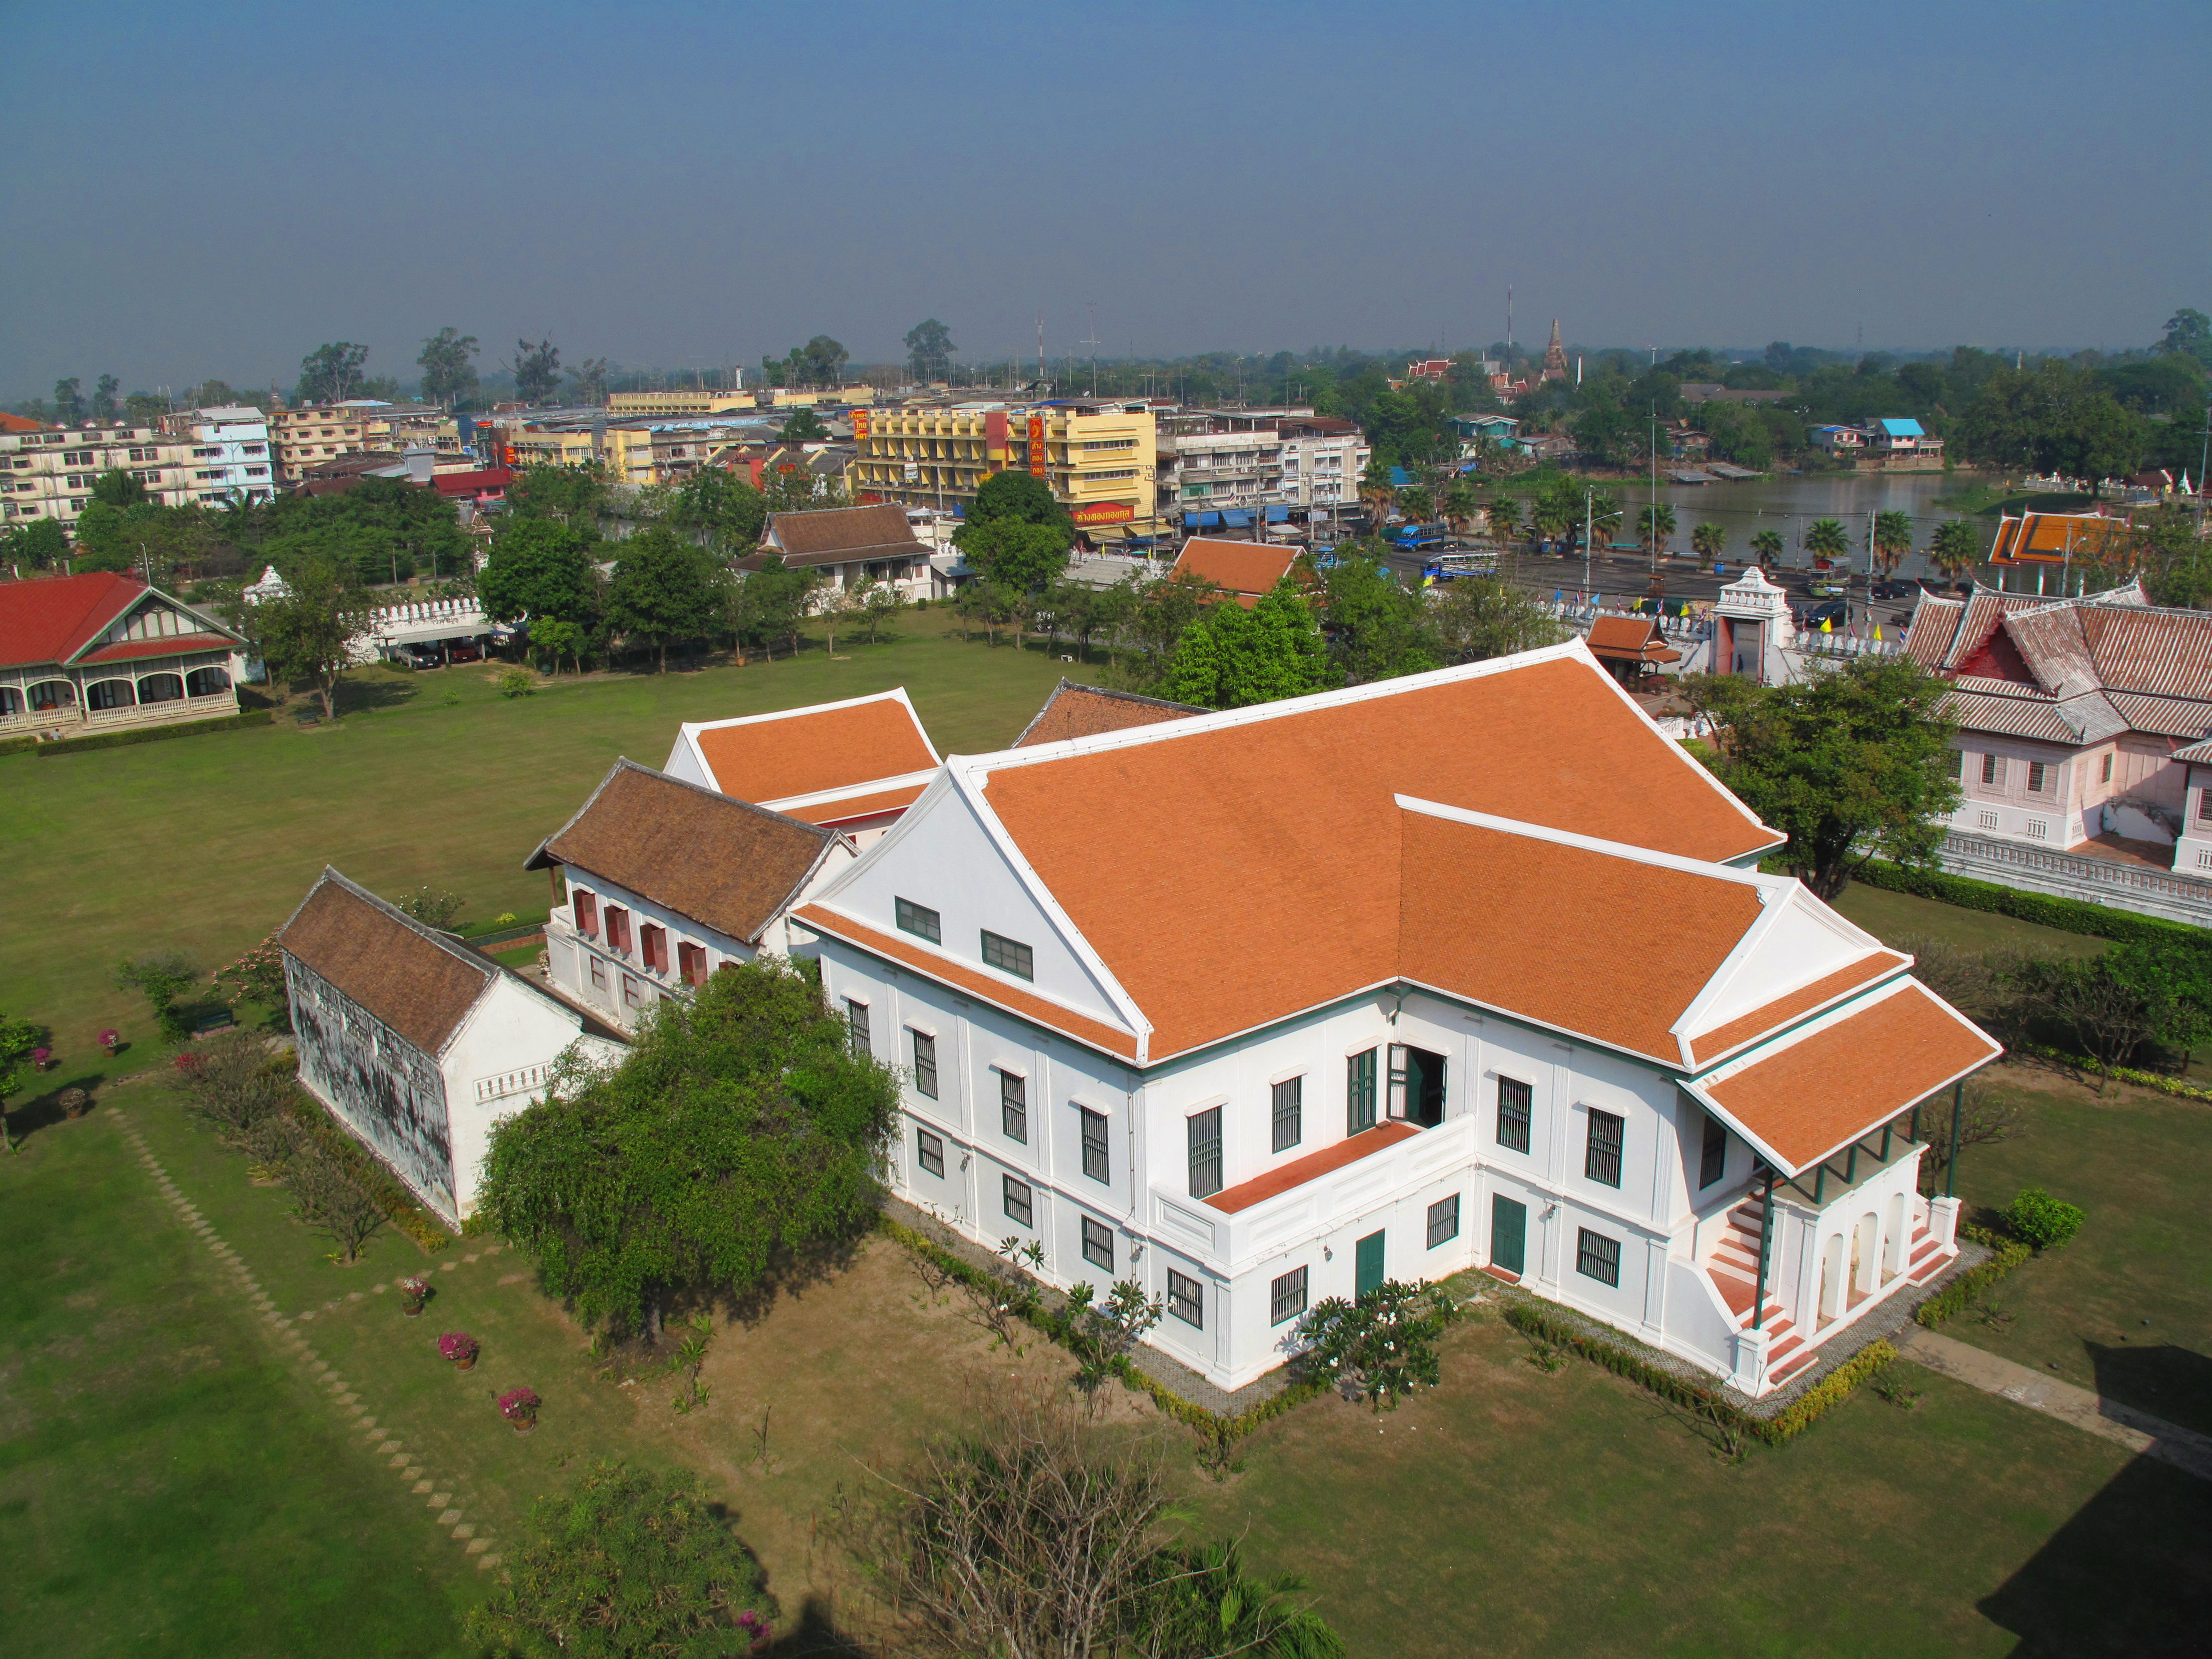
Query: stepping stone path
{"points": [[316, 1368]]}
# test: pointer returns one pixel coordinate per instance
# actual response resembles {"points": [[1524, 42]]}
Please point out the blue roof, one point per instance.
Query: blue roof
{"points": [[1399, 479], [1901, 428]]}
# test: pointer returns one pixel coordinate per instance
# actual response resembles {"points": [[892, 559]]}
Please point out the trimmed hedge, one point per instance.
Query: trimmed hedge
{"points": [[1534, 1321], [1955, 1297], [146, 734], [1223, 1431], [2067, 915]]}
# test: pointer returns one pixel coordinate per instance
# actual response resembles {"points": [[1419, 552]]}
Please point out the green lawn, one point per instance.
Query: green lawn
{"points": [[1887, 915], [168, 1484], [206, 843]]}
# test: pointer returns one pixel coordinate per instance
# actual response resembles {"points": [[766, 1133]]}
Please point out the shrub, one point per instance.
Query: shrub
{"points": [[1385, 1343], [1955, 1296], [232, 1084], [162, 976], [2037, 1218], [326, 1197], [517, 683]]}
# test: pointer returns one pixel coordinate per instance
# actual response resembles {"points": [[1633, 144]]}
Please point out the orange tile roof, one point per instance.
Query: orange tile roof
{"points": [[1708, 1047], [843, 809], [1247, 569], [808, 751], [1312, 1167], [1277, 838], [1631, 639], [1083, 711], [970, 981], [1813, 1096]]}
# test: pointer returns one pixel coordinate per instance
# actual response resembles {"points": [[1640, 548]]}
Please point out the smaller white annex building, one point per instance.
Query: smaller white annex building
{"points": [[665, 882], [853, 766], [416, 1043], [1468, 969]]}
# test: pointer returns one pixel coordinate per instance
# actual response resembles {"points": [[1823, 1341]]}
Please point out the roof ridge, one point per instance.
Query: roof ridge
{"points": [[1620, 849], [449, 943]]}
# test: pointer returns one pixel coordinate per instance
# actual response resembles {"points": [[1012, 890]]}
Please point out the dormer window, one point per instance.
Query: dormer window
{"points": [[920, 920], [1008, 955]]}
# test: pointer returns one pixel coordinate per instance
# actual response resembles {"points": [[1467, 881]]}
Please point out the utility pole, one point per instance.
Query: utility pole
{"points": [[1589, 501], [1092, 306], [1040, 351]]}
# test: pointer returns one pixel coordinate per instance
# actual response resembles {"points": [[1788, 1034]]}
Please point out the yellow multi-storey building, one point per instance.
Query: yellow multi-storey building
{"points": [[1099, 459]]}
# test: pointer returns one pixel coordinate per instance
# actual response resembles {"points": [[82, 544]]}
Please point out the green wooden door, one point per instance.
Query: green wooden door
{"points": [[1367, 1272], [1509, 1233]]}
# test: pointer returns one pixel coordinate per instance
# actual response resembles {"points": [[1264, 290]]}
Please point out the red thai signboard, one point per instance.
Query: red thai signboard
{"points": [[1103, 513], [1037, 445]]}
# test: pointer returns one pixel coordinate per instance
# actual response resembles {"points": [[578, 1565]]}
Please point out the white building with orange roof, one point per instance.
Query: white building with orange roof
{"points": [[853, 766], [1468, 969]]}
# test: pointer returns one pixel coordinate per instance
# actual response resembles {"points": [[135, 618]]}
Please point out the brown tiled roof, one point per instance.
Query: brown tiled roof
{"points": [[1710, 1046], [1813, 1096], [1081, 711], [723, 862], [1279, 836], [969, 981], [419, 984], [1312, 1167], [1247, 569], [2161, 652], [840, 534], [808, 751], [1630, 639]]}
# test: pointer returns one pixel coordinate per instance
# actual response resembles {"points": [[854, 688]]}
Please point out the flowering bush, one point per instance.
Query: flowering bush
{"points": [[109, 1039], [257, 977], [40, 1056], [188, 1062], [416, 1289], [754, 1624], [519, 1405], [457, 1345]]}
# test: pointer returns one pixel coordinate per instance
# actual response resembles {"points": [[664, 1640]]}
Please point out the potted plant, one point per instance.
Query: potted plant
{"points": [[459, 1347], [110, 1040], [519, 1407], [42, 1058], [75, 1103], [414, 1291]]}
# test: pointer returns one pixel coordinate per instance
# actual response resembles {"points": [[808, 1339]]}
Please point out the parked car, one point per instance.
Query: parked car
{"points": [[465, 651], [423, 655], [1896, 590], [1836, 612]]}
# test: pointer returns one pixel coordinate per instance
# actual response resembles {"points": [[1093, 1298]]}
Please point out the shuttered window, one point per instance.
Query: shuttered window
{"points": [[1514, 1098], [1359, 1092], [1018, 1201], [1097, 1162], [1099, 1244], [1597, 1256], [1186, 1299], [1289, 1109], [1602, 1158], [1204, 1134], [1014, 1107], [1993, 769], [653, 945], [2038, 776], [856, 1026], [1286, 1296], [1443, 1220], [929, 1150], [925, 1066]]}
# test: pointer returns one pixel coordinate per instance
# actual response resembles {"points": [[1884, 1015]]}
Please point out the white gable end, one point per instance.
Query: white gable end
{"points": [[943, 856], [1797, 941]]}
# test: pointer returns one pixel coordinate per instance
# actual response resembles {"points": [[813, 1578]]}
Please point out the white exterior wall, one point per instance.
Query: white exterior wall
{"points": [[231, 452], [496, 1064], [2055, 816]]}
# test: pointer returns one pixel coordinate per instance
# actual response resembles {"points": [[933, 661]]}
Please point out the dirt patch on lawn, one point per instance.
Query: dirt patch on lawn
{"points": [[2051, 1077]]}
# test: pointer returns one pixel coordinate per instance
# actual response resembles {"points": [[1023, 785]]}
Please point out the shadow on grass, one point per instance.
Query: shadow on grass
{"points": [[2130, 1572], [817, 1634], [362, 696], [2161, 1378], [43, 1111]]}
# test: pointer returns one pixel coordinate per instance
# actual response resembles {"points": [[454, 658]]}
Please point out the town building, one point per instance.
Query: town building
{"points": [[657, 883], [1247, 571], [1895, 446], [104, 653], [1084, 711], [1100, 460], [849, 546], [853, 766], [2059, 552], [1216, 461], [1633, 647], [2074, 716], [1473, 431], [230, 451], [416, 1043], [1543, 1017], [695, 402], [49, 474]]}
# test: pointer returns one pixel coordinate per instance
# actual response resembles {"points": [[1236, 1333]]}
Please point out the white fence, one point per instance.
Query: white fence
{"points": [[425, 619], [2069, 875]]}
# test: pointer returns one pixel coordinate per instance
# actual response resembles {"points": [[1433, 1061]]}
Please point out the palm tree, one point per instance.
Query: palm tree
{"points": [[1505, 515], [1417, 504], [1604, 512], [1376, 490], [1654, 526], [1956, 548], [1892, 539], [1767, 545], [1549, 516], [1826, 540], [1706, 541], [1459, 506]]}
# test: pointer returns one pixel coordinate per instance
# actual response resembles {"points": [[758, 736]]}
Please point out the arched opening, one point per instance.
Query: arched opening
{"points": [[1866, 1241], [110, 694], [1831, 1279], [1892, 1242], [49, 695], [207, 681], [161, 688], [11, 701]]}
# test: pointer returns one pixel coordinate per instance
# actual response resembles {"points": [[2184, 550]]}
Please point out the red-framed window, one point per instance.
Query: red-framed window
{"points": [[618, 929], [586, 907], [653, 943], [691, 962]]}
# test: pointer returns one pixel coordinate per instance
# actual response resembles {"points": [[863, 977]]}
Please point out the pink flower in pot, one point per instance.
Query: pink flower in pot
{"points": [[459, 1347], [110, 1040], [414, 1291], [519, 1407], [41, 1058]]}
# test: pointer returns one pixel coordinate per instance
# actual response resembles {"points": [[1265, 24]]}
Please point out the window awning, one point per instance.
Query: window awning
{"points": [[1278, 515], [1201, 520], [1236, 519]]}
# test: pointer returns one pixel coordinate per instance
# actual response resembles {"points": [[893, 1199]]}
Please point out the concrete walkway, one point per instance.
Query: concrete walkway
{"points": [[2139, 1431]]}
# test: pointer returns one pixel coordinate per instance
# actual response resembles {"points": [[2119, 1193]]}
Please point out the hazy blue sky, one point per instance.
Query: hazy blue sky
{"points": [[197, 190]]}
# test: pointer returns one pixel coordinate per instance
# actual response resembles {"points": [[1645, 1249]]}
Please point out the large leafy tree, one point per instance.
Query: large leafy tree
{"points": [[69, 402], [805, 427], [2189, 331], [303, 635], [631, 1564], [1478, 617], [1232, 658], [2055, 418], [575, 495], [103, 397], [713, 500], [1378, 628], [536, 370], [331, 372], [1016, 534], [448, 377], [540, 568], [929, 350], [1852, 764], [739, 1132], [666, 588], [37, 545]]}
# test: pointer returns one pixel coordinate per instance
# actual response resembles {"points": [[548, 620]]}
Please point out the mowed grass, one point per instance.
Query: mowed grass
{"points": [[168, 1484], [1511, 1512], [1887, 915], [2125, 1308], [205, 844]]}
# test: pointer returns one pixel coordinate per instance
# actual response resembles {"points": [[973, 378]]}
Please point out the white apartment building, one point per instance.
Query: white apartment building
{"points": [[1550, 1023], [1217, 460], [50, 475], [231, 452]]}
